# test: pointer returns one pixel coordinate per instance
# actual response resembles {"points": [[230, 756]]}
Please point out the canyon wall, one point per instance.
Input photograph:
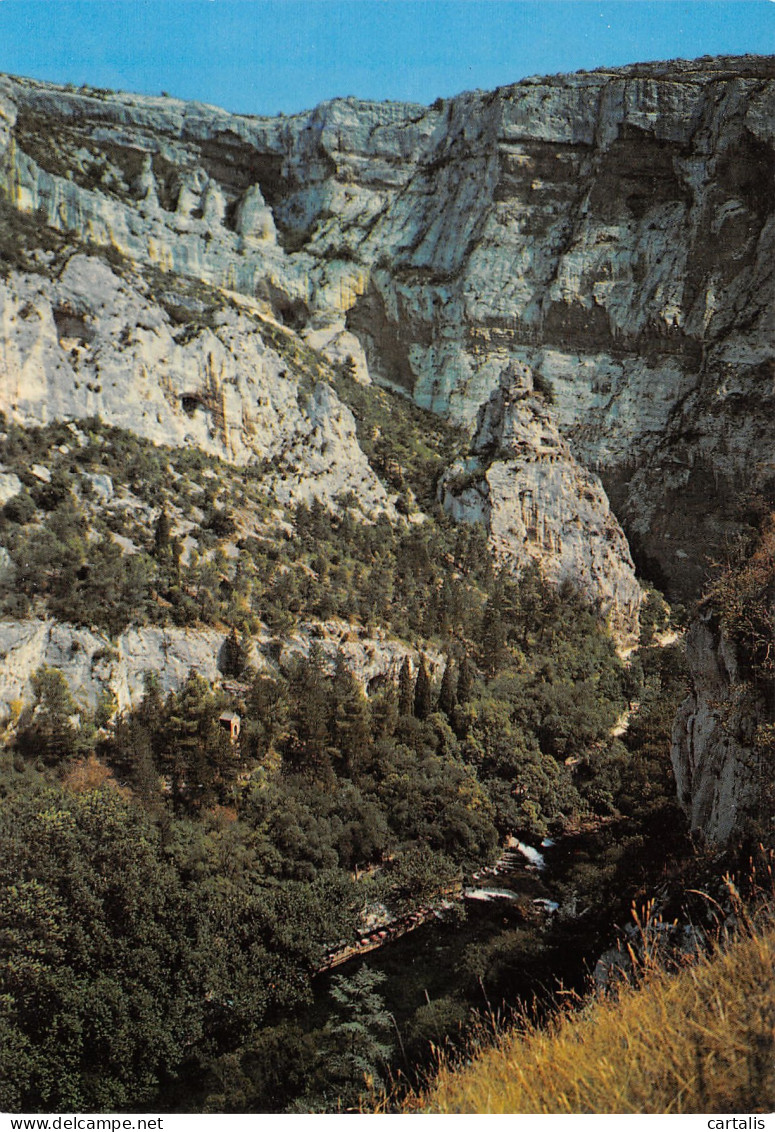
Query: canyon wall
{"points": [[610, 234]]}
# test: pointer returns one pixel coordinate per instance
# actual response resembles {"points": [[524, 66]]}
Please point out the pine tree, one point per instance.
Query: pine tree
{"points": [[384, 712], [423, 696], [358, 1045], [307, 746], [144, 775], [233, 656], [268, 710], [447, 693], [465, 681], [153, 715], [161, 535], [493, 632], [406, 689], [350, 722], [46, 729], [184, 759]]}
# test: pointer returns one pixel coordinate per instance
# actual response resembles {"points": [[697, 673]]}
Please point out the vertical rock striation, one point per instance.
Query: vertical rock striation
{"points": [[720, 774], [613, 230], [540, 505]]}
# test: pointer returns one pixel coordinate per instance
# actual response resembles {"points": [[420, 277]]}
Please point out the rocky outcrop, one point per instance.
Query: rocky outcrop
{"points": [[538, 504], [90, 342], [720, 773], [270, 207], [614, 231], [93, 664]]}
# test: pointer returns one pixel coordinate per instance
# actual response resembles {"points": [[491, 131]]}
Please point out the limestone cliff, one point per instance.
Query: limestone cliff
{"points": [[613, 230], [719, 768], [93, 664], [86, 341], [539, 504]]}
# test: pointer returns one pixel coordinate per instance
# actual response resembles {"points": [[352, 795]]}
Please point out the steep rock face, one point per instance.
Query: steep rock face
{"points": [[88, 342], [719, 773], [539, 504], [273, 207], [613, 230], [92, 664]]}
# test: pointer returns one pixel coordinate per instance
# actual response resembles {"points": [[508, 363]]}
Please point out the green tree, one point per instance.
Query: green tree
{"points": [[162, 535], [423, 696], [100, 989], [196, 753], [49, 729], [233, 657], [357, 1040], [350, 727], [465, 681], [447, 692], [493, 634], [406, 689], [384, 712], [307, 746], [268, 713]]}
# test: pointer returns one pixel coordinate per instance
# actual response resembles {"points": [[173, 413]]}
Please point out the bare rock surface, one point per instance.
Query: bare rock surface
{"points": [[91, 343], [613, 230], [93, 664], [539, 504], [718, 772]]}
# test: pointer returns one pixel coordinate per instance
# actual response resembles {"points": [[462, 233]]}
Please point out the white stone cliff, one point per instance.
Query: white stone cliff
{"points": [[612, 231], [538, 503], [93, 664], [91, 343]]}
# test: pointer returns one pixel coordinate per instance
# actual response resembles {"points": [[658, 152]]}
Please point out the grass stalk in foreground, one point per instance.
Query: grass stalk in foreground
{"points": [[701, 1040]]}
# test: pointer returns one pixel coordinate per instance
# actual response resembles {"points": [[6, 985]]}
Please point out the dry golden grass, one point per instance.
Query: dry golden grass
{"points": [[700, 1040]]}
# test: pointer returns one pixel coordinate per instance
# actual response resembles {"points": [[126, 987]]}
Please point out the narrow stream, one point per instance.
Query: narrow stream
{"points": [[443, 968], [505, 946]]}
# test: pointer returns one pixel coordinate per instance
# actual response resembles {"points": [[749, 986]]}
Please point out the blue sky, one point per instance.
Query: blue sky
{"points": [[265, 56]]}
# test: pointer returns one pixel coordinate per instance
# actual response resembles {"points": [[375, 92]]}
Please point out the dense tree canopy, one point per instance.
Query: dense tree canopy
{"points": [[167, 892]]}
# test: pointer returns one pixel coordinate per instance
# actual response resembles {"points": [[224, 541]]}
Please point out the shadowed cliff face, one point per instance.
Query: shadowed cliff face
{"points": [[613, 231], [721, 772]]}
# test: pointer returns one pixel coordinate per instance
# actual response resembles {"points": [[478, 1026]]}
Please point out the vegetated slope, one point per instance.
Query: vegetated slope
{"points": [[251, 860], [490, 708], [696, 1041], [492, 715]]}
